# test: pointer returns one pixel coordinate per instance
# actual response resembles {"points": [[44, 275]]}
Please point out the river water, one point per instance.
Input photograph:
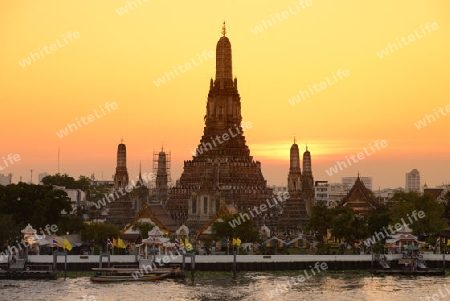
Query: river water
{"points": [[245, 286]]}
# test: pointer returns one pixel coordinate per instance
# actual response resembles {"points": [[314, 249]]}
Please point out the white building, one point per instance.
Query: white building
{"points": [[337, 193], [277, 189], [77, 197], [5, 180], [322, 192], [384, 195], [348, 182], [413, 181]]}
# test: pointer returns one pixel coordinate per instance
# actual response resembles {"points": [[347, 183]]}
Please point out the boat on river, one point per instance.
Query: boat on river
{"points": [[105, 275]]}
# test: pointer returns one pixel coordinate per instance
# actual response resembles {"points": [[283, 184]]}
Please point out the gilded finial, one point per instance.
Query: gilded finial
{"points": [[294, 139], [140, 169], [224, 29]]}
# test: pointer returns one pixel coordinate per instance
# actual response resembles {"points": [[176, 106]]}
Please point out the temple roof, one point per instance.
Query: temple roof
{"points": [[158, 215], [358, 195], [223, 211], [434, 192]]}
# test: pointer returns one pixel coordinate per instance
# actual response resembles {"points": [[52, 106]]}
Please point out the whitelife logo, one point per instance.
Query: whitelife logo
{"points": [[204, 146], [128, 189], [423, 122], [319, 87], [284, 288], [11, 158], [109, 107], [398, 226], [263, 207], [168, 75], [437, 297], [53, 47], [265, 24], [391, 48], [124, 9], [360, 155]]}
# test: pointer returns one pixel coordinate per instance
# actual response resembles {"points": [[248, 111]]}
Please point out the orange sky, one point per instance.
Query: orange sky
{"points": [[117, 59]]}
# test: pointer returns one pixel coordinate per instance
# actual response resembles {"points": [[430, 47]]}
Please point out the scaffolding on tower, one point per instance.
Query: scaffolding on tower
{"points": [[167, 166]]}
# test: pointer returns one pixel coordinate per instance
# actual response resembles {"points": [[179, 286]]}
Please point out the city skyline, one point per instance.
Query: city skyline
{"points": [[340, 77]]}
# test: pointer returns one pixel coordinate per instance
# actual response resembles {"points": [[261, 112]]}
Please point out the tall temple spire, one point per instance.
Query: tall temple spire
{"points": [[224, 75], [161, 177], [294, 158], [223, 109], [121, 175], [307, 181], [295, 173], [307, 162], [221, 169]]}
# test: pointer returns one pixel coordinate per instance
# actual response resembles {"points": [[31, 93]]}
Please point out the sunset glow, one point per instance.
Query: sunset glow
{"points": [[141, 69]]}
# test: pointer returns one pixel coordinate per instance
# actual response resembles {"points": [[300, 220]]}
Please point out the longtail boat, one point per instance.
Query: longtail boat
{"points": [[103, 275]]}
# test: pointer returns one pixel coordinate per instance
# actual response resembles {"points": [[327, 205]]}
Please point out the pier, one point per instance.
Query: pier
{"points": [[225, 262]]}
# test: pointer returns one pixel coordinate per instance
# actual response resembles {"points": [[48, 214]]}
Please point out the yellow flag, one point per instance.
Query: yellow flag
{"points": [[115, 242], [120, 243], [67, 244], [234, 241], [188, 244], [238, 242], [60, 243]]}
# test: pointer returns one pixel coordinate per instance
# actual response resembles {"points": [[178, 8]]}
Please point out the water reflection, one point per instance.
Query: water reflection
{"points": [[249, 286]]}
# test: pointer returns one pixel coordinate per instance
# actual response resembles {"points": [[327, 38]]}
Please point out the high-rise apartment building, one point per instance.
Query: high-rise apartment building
{"points": [[412, 181]]}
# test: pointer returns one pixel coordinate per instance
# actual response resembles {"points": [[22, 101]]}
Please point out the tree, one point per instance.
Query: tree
{"points": [[35, 204], [347, 225], [60, 180], [67, 181], [99, 233], [9, 229], [96, 193], [245, 231], [319, 221], [143, 228], [83, 183], [446, 202], [431, 223], [71, 224], [379, 218]]}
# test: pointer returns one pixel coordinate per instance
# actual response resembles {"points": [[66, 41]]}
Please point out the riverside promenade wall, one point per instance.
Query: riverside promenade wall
{"points": [[225, 262]]}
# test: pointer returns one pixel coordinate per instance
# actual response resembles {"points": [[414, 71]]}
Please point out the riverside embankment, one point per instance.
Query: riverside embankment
{"points": [[225, 262]]}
